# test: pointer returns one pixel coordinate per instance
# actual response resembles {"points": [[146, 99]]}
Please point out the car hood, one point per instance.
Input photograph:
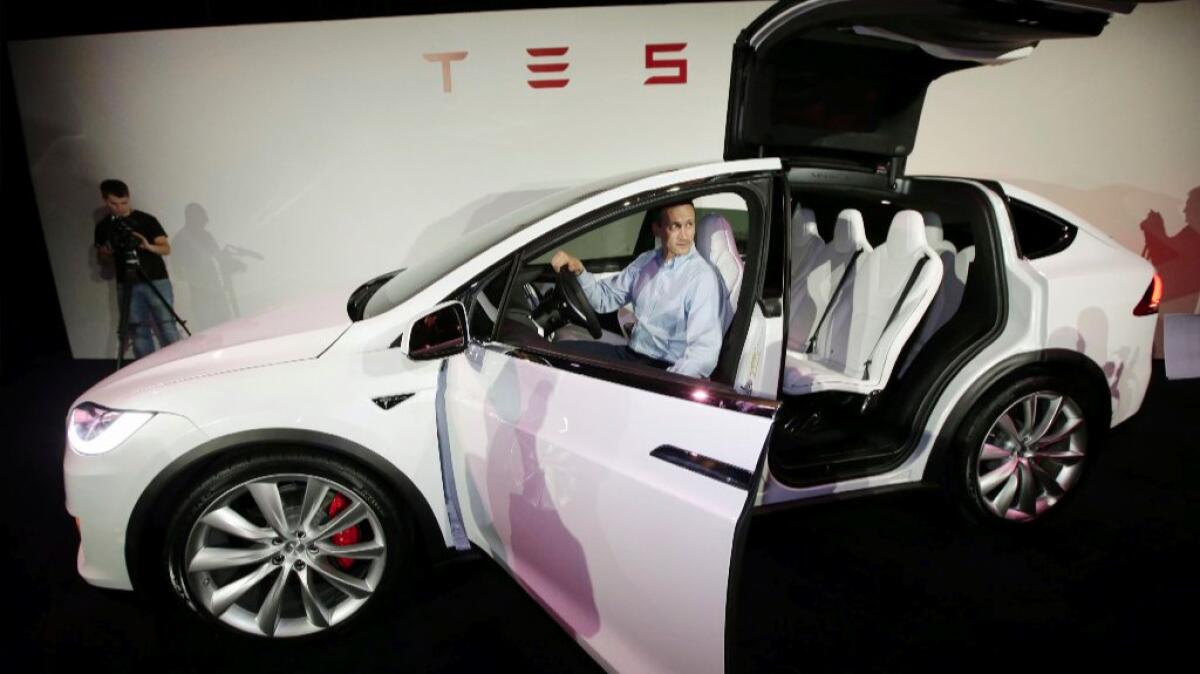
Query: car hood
{"points": [[297, 331]]}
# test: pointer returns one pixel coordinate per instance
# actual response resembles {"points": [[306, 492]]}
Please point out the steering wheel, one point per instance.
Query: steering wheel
{"points": [[581, 308], [532, 296]]}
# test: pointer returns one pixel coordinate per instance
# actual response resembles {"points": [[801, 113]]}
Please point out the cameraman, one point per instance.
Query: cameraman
{"points": [[144, 307]]}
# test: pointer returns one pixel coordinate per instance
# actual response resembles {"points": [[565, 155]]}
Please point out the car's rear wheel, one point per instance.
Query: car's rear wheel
{"points": [[1023, 451], [287, 544]]}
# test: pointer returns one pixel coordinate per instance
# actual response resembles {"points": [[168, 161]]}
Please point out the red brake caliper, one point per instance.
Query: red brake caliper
{"points": [[345, 536]]}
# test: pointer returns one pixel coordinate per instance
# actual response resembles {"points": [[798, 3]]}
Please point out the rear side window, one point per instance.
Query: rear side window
{"points": [[1039, 233]]}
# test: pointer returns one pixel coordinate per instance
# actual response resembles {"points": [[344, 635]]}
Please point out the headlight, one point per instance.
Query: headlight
{"points": [[94, 429]]}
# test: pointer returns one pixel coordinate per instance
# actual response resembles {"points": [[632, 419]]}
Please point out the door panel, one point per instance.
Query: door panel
{"points": [[557, 481], [844, 81]]}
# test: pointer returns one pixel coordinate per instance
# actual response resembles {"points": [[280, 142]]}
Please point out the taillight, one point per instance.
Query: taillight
{"points": [[1149, 304]]}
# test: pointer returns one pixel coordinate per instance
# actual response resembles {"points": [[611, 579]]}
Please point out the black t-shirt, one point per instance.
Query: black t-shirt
{"points": [[146, 225]]}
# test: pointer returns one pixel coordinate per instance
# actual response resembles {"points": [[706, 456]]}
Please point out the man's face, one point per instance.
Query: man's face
{"points": [[118, 206], [676, 229]]}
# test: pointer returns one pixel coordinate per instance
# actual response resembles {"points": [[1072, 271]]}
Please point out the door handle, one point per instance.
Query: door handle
{"points": [[704, 465]]}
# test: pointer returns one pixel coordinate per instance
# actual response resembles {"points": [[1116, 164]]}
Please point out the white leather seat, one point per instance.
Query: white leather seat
{"points": [[715, 242], [935, 234], [949, 294], [806, 242], [962, 263], [805, 249], [857, 346], [822, 268]]}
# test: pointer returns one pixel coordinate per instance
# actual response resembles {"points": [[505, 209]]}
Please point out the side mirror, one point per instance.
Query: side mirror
{"points": [[440, 333]]}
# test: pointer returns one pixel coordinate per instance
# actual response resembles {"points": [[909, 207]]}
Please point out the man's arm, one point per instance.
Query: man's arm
{"points": [[160, 246], [704, 332], [103, 250], [604, 296]]}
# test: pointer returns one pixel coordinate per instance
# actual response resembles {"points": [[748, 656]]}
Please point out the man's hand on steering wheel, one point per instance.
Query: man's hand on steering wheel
{"points": [[564, 259], [580, 309]]}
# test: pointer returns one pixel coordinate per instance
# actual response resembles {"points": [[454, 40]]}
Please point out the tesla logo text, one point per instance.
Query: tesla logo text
{"points": [[680, 65], [544, 67], [549, 68], [445, 58]]}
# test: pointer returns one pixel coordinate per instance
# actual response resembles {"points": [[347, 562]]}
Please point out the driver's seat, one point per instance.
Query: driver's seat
{"points": [[715, 242]]}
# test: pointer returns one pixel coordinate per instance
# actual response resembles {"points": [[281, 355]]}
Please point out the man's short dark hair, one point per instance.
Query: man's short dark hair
{"points": [[662, 210], [113, 188]]}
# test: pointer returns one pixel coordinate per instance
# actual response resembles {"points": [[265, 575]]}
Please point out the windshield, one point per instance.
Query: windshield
{"points": [[444, 250]]}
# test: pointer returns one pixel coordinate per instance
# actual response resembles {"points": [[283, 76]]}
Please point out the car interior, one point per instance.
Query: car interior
{"points": [[537, 315], [921, 292], [889, 293]]}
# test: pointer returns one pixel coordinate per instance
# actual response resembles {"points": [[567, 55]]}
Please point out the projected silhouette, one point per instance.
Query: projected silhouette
{"points": [[209, 267], [1177, 258]]}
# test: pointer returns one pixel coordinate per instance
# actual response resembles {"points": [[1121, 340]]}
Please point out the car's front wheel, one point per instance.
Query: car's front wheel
{"points": [[287, 544], [1023, 450]]}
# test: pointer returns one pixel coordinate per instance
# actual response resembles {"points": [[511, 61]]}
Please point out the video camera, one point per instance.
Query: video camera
{"points": [[124, 241]]}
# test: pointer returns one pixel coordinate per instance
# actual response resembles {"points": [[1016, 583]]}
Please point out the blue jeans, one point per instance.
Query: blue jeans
{"points": [[146, 310]]}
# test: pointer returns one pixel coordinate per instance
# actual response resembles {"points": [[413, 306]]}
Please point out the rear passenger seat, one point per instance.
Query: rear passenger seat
{"points": [[806, 241], [817, 267], [955, 264], [876, 311]]}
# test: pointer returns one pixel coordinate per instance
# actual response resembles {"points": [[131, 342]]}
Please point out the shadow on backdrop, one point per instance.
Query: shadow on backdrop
{"points": [[1177, 258], [207, 268], [105, 274]]}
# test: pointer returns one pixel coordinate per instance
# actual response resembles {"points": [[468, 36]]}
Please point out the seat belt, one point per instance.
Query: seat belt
{"points": [[812, 342], [912, 279]]}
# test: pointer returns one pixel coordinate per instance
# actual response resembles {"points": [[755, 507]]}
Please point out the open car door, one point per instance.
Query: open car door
{"points": [[841, 83], [617, 507]]}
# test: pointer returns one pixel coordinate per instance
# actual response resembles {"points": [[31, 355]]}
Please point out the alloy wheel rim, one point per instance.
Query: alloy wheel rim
{"points": [[1031, 456], [268, 558]]}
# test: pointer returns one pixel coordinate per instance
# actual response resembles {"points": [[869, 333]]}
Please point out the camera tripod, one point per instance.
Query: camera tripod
{"points": [[132, 273]]}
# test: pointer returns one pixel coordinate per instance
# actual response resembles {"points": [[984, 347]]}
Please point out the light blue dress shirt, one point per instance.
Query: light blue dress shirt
{"points": [[679, 306]]}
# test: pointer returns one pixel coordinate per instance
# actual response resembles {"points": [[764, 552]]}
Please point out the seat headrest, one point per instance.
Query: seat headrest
{"points": [[906, 234], [933, 228], [849, 233], [962, 262], [714, 241], [804, 224]]}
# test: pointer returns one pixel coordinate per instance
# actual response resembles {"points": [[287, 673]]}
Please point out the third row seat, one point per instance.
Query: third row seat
{"points": [[872, 309]]}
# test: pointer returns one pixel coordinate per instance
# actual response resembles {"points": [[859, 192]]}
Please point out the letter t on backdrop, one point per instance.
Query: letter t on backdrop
{"points": [[445, 58]]}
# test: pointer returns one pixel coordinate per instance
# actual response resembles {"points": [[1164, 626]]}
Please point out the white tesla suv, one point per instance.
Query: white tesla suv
{"points": [[278, 475]]}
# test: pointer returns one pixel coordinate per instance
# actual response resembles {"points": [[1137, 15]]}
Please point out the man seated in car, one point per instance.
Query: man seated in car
{"points": [[676, 297]]}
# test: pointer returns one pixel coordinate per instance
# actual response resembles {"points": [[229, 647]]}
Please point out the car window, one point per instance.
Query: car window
{"points": [[453, 248], [537, 317], [615, 240], [1039, 234], [482, 299]]}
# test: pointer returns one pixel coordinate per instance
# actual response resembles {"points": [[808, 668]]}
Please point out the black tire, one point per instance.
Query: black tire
{"points": [[393, 576], [964, 475]]}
